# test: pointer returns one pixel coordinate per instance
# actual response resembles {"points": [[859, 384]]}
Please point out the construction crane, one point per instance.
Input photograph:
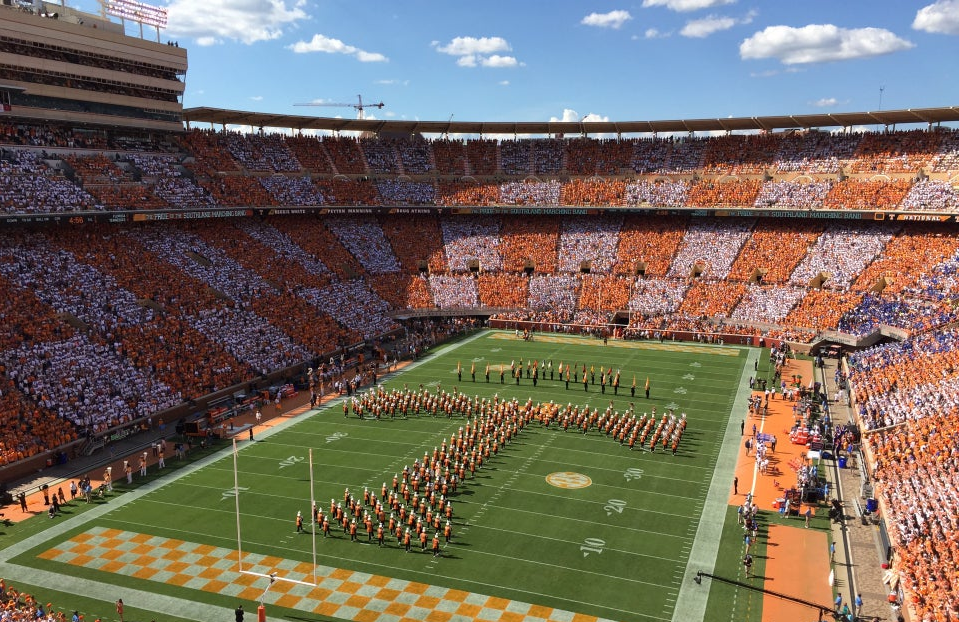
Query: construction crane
{"points": [[359, 106]]}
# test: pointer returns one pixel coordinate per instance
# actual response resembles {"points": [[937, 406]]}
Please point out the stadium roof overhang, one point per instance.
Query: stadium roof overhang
{"points": [[219, 116]]}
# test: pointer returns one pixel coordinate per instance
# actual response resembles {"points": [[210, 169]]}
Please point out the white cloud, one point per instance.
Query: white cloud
{"points": [[684, 6], [322, 43], [370, 57], [479, 52], [593, 117], [654, 33], [393, 82], [463, 46], [503, 82], [613, 19], [568, 115], [941, 16], [499, 61], [825, 102], [819, 43], [214, 21], [571, 116], [257, 98], [701, 28]]}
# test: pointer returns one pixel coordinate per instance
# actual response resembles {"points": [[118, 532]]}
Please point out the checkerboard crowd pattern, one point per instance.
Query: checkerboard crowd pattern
{"points": [[339, 593]]}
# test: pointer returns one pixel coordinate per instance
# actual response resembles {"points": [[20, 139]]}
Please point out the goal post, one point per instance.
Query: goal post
{"points": [[272, 575]]}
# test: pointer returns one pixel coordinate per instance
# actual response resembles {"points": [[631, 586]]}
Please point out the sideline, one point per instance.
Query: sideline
{"points": [[692, 599]]}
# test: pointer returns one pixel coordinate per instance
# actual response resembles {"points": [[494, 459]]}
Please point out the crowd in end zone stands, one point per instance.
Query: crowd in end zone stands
{"points": [[68, 171], [173, 311]]}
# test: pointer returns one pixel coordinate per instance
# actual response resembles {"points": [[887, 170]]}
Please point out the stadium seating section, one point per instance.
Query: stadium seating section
{"points": [[53, 170], [106, 324]]}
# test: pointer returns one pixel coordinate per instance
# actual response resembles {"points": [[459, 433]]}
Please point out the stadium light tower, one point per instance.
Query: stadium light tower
{"points": [[360, 107], [138, 12]]}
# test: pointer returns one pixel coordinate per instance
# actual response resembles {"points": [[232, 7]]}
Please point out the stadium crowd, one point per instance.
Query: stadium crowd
{"points": [[28, 185], [906, 396], [20, 606], [454, 292], [451, 193], [263, 169], [235, 308], [841, 253], [768, 304], [710, 247], [403, 291], [417, 242], [472, 240], [792, 195], [530, 242], [112, 324], [659, 193], [589, 241], [365, 240], [529, 193]]}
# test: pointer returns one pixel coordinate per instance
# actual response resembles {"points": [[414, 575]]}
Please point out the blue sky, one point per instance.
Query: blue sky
{"points": [[526, 60]]}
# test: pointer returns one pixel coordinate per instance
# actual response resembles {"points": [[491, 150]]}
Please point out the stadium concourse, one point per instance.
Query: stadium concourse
{"points": [[145, 274]]}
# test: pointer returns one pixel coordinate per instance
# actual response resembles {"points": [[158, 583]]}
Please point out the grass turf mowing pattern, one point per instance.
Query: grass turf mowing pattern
{"points": [[615, 549]]}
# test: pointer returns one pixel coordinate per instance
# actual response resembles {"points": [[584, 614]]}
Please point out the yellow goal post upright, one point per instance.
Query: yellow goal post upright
{"points": [[273, 575]]}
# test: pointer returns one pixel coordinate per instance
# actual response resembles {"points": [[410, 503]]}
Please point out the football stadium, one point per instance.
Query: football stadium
{"points": [[354, 369]]}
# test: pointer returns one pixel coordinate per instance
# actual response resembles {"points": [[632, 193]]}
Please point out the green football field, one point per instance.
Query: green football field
{"points": [[613, 534]]}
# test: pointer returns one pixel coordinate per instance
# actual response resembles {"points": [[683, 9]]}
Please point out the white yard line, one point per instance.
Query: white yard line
{"points": [[692, 599]]}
